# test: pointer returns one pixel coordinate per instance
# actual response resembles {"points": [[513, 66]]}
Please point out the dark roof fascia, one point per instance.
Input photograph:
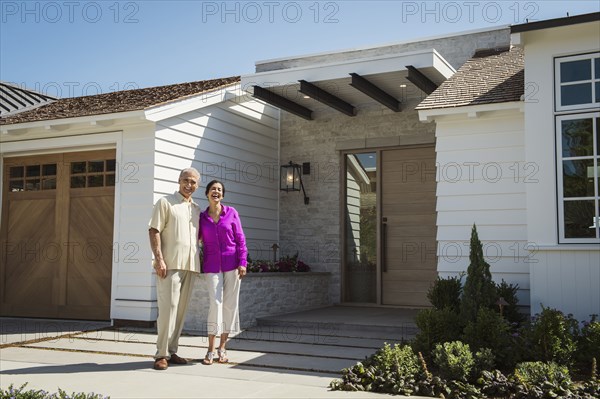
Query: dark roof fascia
{"points": [[553, 23]]}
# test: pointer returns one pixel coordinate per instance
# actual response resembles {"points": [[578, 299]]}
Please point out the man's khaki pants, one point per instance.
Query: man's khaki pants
{"points": [[173, 295]]}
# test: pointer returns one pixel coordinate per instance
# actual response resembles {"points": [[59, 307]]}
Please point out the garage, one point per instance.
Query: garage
{"points": [[57, 233]]}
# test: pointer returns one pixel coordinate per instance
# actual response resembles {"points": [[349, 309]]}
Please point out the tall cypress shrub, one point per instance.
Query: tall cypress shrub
{"points": [[479, 290]]}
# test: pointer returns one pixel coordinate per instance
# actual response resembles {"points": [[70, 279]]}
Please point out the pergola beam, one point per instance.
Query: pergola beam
{"points": [[417, 78], [318, 94], [377, 94], [282, 102]]}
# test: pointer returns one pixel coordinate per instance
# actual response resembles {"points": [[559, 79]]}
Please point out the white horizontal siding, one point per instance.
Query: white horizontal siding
{"points": [[495, 217], [480, 187], [485, 232], [505, 154], [481, 202], [132, 293], [478, 140], [236, 142], [481, 174]]}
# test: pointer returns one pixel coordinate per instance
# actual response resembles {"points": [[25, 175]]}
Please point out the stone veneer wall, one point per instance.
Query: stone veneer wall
{"points": [[264, 294], [314, 230]]}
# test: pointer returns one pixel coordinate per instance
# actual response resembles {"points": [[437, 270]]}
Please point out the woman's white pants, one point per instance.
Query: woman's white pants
{"points": [[224, 296]]}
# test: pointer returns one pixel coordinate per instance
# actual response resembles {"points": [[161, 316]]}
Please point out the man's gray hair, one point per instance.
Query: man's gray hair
{"points": [[192, 171]]}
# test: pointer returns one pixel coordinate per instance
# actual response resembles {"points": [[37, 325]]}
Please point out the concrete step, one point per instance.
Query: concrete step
{"points": [[321, 362], [405, 330], [275, 333]]}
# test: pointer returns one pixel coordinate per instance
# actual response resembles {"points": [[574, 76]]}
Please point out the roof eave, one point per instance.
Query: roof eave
{"points": [[182, 105], [68, 123], [470, 111], [557, 22]]}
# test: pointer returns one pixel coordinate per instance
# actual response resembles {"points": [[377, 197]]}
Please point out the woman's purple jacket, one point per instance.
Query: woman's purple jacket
{"points": [[224, 243]]}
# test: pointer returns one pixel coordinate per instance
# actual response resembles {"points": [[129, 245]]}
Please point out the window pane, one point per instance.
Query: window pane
{"points": [[78, 182], [49, 184], [575, 70], [77, 167], [579, 219], [110, 180], [110, 165], [597, 137], [577, 137], [15, 185], [49, 170], [17, 171], [33, 170], [597, 68], [578, 178], [96, 181], [95, 166], [576, 94], [32, 184], [361, 228], [597, 92]]}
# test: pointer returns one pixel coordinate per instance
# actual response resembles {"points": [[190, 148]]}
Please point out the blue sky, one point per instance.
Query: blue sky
{"points": [[73, 48]]}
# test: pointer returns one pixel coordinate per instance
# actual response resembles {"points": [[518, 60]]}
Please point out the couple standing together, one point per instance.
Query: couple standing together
{"points": [[176, 226]]}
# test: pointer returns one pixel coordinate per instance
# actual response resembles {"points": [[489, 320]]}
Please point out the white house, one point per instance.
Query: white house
{"points": [[514, 152], [371, 220], [518, 153], [402, 148], [81, 175]]}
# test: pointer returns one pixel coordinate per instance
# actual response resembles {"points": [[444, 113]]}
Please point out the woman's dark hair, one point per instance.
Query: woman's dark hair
{"points": [[210, 184]]}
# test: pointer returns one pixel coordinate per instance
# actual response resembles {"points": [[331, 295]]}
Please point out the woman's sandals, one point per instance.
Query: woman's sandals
{"points": [[208, 359], [222, 356]]}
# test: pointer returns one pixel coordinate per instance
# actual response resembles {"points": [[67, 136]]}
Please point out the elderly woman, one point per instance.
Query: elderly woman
{"points": [[224, 264]]}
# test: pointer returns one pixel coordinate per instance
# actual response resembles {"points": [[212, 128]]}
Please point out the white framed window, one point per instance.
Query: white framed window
{"points": [[578, 177], [577, 82]]}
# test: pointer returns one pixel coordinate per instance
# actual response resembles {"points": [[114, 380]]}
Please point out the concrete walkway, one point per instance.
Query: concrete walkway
{"points": [[279, 358]]}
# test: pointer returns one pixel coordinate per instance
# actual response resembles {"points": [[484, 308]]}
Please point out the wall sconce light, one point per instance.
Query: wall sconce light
{"points": [[291, 178]]}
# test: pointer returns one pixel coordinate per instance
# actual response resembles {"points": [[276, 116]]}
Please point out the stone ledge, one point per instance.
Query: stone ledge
{"points": [[265, 294], [286, 274]]}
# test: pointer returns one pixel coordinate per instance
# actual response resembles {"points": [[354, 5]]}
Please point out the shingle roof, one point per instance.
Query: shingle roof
{"points": [[491, 76], [14, 99], [119, 101]]}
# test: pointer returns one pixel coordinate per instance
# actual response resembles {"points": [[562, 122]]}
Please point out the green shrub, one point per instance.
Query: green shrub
{"points": [[511, 311], [590, 388], [445, 293], [435, 326], [554, 336], [494, 384], [390, 369], [20, 393], [484, 360], [479, 290], [490, 330], [454, 360], [542, 380], [588, 342]]}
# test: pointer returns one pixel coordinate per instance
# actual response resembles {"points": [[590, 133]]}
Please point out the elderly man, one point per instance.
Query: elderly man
{"points": [[173, 233]]}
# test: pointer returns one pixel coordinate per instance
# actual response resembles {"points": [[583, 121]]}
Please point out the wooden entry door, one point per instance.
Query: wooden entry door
{"points": [[57, 230], [408, 226]]}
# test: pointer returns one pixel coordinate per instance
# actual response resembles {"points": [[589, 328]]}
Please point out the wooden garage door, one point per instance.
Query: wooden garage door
{"points": [[57, 229]]}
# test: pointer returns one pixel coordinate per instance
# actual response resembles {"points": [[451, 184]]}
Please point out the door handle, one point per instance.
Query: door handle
{"points": [[384, 244]]}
